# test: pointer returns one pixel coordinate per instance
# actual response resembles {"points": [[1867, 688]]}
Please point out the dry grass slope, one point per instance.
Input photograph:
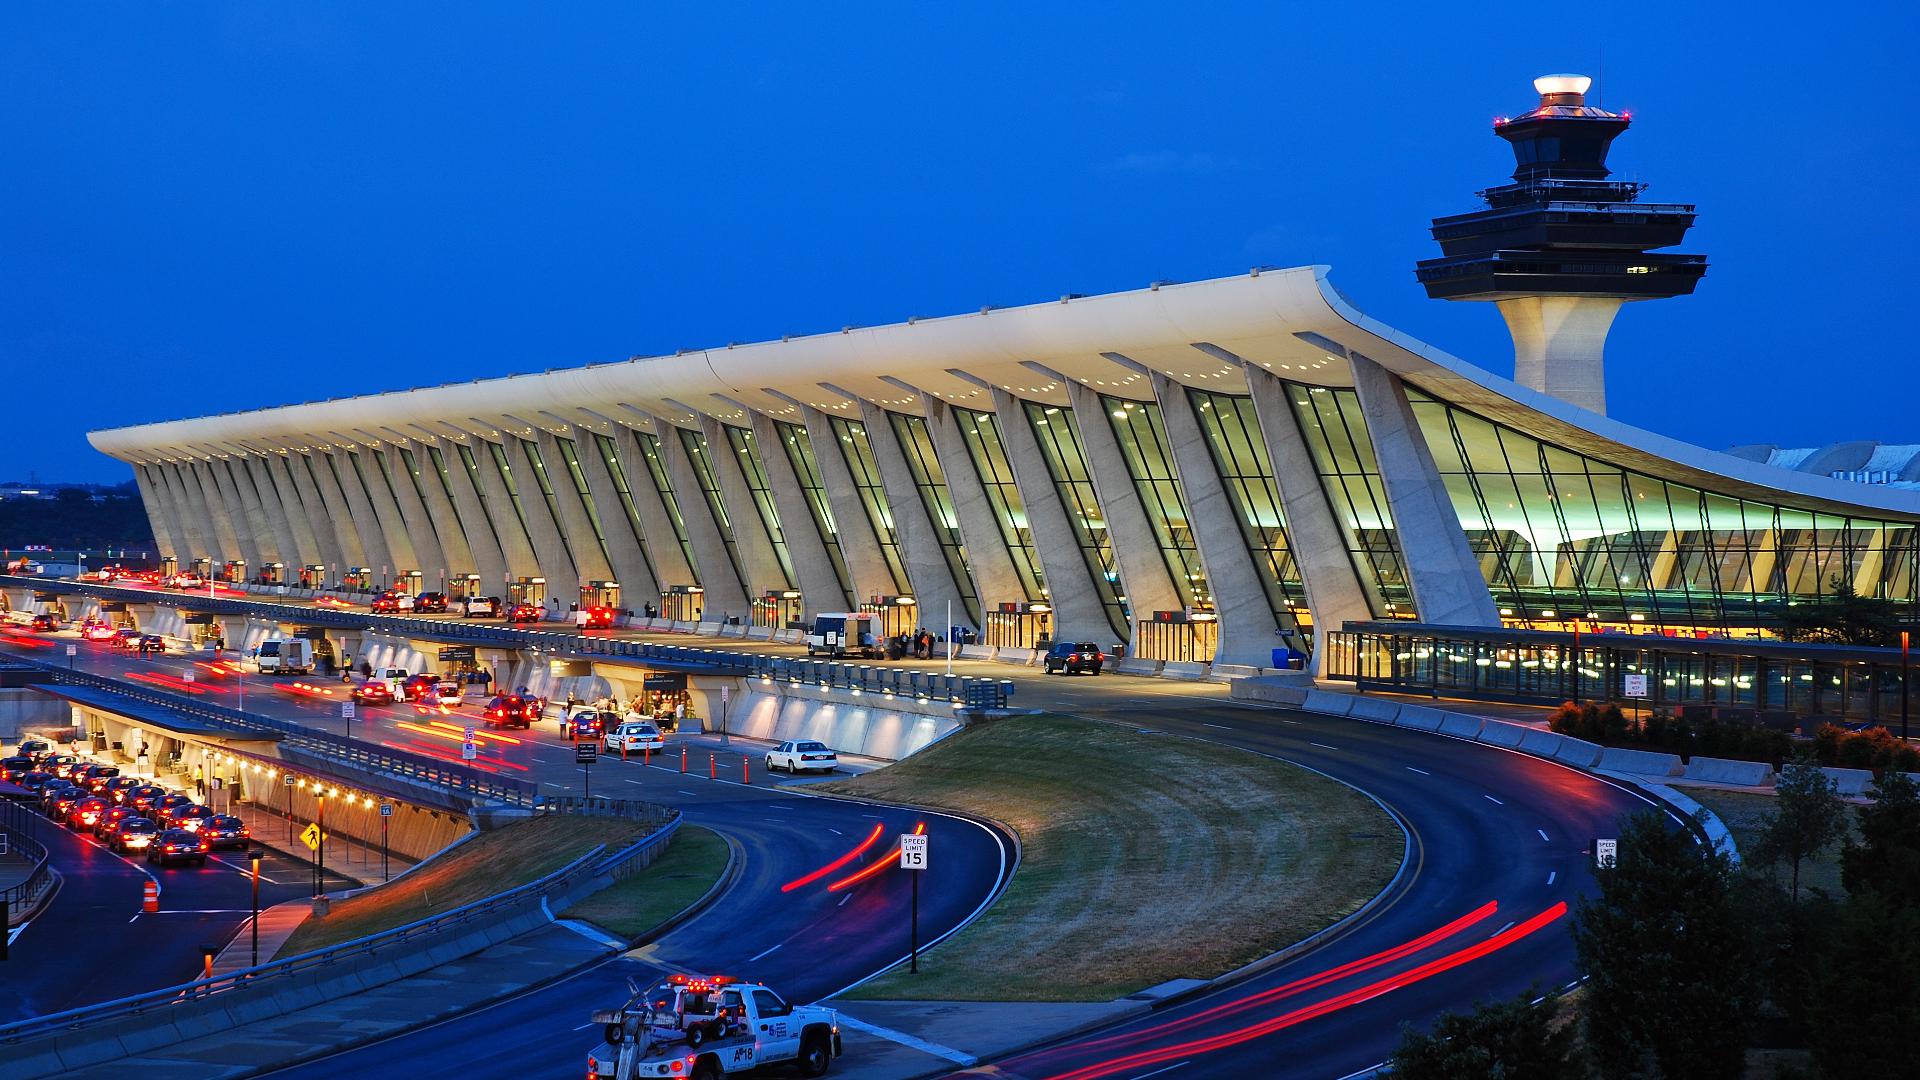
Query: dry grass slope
{"points": [[1144, 858]]}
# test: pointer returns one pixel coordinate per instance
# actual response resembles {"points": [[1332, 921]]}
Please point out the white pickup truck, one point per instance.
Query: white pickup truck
{"points": [[704, 1029]]}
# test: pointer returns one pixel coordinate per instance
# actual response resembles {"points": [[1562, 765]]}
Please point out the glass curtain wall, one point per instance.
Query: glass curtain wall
{"points": [[545, 483], [981, 432], [1562, 536], [858, 451], [1142, 436], [696, 447], [917, 443], [799, 446], [755, 472], [570, 453], [1240, 454], [1336, 436], [610, 456], [670, 503], [1067, 463]]}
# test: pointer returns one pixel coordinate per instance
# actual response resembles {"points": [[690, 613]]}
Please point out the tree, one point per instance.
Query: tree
{"points": [[1887, 858], [1842, 616], [1501, 1040], [1864, 1002], [1808, 817], [1670, 957]]}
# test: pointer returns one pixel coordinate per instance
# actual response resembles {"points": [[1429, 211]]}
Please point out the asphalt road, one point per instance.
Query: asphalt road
{"points": [[93, 943]]}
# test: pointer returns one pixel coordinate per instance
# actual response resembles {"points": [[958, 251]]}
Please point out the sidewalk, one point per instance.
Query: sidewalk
{"points": [[277, 924], [345, 856]]}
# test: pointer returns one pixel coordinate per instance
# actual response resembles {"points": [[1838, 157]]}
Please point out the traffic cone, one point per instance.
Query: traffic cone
{"points": [[713, 767], [683, 759], [150, 900], [745, 777]]}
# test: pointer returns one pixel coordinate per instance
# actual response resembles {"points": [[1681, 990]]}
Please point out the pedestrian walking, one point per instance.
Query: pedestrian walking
{"points": [[200, 781]]}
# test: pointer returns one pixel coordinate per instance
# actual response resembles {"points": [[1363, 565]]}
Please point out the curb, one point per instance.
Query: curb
{"points": [[729, 877]]}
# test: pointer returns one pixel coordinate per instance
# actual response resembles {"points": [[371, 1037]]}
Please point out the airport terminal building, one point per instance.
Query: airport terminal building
{"points": [[1203, 471]]}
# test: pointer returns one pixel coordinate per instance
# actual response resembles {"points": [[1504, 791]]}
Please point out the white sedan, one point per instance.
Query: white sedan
{"points": [[802, 757], [636, 736]]}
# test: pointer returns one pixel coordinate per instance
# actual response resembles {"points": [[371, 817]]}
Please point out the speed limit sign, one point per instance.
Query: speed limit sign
{"points": [[913, 852]]}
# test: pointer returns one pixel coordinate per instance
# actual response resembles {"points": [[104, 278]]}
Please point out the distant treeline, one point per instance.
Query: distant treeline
{"points": [[72, 519]]}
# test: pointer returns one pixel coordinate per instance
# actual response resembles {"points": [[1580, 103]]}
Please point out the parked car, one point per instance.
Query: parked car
{"points": [[134, 834], [524, 613], [143, 797], [373, 692], [85, 813], [45, 622], [192, 818], [1074, 657], [37, 749], [166, 805], [126, 638], [178, 845], [109, 821], [635, 737], [16, 767], [430, 603], [511, 710], [804, 755], [584, 722], [227, 831], [391, 603], [150, 645], [480, 607]]}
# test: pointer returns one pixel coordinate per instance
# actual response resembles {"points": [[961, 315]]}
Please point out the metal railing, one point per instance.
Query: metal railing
{"points": [[592, 863], [20, 825], [454, 779], [964, 691]]}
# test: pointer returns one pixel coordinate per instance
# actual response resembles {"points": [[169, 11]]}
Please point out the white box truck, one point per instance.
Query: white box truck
{"points": [[284, 656], [846, 633]]}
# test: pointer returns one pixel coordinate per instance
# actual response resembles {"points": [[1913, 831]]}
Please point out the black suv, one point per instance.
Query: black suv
{"points": [[1074, 657], [433, 603]]}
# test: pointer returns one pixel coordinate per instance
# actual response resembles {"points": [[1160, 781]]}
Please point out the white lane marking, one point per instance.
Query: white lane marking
{"points": [[843, 900], [1551, 874], [245, 871], [1221, 727], [1422, 772], [1322, 746], [1286, 721], [583, 1027], [876, 817], [136, 915], [1157, 1072], [836, 832], [1493, 800], [901, 1037], [1502, 930], [17, 931], [751, 959], [624, 780], [685, 792], [591, 933], [1543, 835]]}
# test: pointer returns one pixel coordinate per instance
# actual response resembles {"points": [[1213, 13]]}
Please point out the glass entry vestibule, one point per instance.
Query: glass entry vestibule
{"points": [[1019, 625]]}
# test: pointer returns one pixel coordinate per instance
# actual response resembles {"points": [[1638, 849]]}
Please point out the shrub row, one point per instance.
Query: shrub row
{"points": [[1875, 748], [1609, 726]]}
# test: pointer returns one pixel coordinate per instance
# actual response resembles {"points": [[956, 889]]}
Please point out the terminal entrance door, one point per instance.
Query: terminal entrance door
{"points": [[313, 577], [203, 568], [273, 574], [169, 566], [600, 594], [235, 572], [779, 610], [411, 582], [683, 603], [897, 614], [1180, 636], [1020, 625], [527, 590], [359, 579], [461, 586]]}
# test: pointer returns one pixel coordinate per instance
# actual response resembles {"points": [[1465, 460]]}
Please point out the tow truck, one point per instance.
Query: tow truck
{"points": [[704, 1028]]}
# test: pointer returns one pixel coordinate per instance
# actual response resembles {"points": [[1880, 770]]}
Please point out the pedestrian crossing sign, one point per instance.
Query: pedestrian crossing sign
{"points": [[311, 836]]}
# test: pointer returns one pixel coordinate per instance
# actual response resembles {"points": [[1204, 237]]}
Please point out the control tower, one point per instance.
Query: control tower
{"points": [[1562, 247]]}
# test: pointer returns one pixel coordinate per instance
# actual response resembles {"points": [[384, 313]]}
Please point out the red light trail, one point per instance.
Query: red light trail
{"points": [[872, 839], [889, 859]]}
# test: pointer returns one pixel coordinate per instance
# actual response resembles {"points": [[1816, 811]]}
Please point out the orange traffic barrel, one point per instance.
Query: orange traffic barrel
{"points": [[150, 902]]}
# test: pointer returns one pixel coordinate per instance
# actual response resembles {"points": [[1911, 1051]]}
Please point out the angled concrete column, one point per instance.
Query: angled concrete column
{"points": [[1136, 547], [160, 514], [1441, 570], [995, 579], [516, 543], [366, 520], [332, 501], [192, 516], [859, 543], [274, 481], [1247, 630], [247, 474], [670, 563], [310, 513], [1078, 614], [395, 531], [213, 503], [550, 546], [484, 534], [624, 553], [1334, 592], [246, 530], [589, 562], [914, 528], [232, 474], [414, 519], [752, 543], [725, 594], [818, 583]]}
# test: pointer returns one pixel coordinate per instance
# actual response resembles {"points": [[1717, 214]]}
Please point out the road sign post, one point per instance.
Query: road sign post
{"points": [[726, 692], [346, 710], [386, 815], [586, 753], [1605, 853], [72, 651], [913, 857], [1635, 687]]}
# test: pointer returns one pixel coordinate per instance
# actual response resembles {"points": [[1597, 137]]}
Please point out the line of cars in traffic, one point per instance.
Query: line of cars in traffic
{"points": [[128, 814], [395, 602]]}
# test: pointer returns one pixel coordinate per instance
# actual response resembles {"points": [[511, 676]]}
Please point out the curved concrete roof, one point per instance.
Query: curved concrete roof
{"points": [[1292, 322]]}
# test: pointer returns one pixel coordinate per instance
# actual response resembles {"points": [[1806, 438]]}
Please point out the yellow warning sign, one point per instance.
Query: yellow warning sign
{"points": [[311, 836]]}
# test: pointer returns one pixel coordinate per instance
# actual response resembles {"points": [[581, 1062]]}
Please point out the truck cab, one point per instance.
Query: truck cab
{"points": [[706, 1028]]}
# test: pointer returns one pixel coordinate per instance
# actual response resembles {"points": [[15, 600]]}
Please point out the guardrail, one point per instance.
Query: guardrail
{"points": [[20, 825], [458, 780], [962, 691]]}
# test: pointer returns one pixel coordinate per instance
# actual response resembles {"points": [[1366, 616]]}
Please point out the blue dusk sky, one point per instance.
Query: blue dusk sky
{"points": [[214, 206]]}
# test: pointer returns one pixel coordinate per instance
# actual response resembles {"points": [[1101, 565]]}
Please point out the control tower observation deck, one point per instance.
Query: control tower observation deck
{"points": [[1562, 247]]}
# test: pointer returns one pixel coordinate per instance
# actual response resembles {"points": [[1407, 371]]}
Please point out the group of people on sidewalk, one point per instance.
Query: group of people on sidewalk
{"points": [[920, 645]]}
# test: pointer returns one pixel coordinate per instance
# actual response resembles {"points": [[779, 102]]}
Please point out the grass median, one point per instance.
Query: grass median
{"points": [[490, 863], [1144, 858], [683, 874]]}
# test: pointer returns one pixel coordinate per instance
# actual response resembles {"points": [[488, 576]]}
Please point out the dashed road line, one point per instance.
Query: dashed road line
{"points": [[751, 959], [1323, 746], [1493, 800], [1551, 874], [1422, 772], [1543, 835]]}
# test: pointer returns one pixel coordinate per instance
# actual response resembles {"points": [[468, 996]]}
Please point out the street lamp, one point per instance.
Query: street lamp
{"points": [[256, 907], [1906, 673]]}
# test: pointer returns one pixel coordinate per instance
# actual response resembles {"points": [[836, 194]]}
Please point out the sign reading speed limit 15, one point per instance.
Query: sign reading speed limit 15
{"points": [[913, 852]]}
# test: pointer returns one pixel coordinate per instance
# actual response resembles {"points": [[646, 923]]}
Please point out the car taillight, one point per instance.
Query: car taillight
{"points": [[246, 832]]}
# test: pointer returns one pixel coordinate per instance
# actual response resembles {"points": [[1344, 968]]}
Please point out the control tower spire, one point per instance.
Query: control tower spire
{"points": [[1561, 247]]}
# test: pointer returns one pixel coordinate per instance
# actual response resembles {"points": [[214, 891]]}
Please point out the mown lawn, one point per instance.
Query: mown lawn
{"points": [[1144, 858], [682, 874], [490, 863]]}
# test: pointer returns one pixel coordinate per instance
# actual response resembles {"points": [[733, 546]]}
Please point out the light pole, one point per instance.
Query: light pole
{"points": [[256, 907], [1906, 672]]}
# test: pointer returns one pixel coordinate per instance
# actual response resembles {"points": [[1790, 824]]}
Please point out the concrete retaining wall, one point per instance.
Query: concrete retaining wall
{"points": [[1501, 733], [1271, 690], [1377, 710], [849, 725], [1420, 718], [1182, 669], [1538, 741], [1849, 781], [1134, 665], [1326, 701], [1642, 762], [1460, 725], [1728, 771], [1578, 752]]}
